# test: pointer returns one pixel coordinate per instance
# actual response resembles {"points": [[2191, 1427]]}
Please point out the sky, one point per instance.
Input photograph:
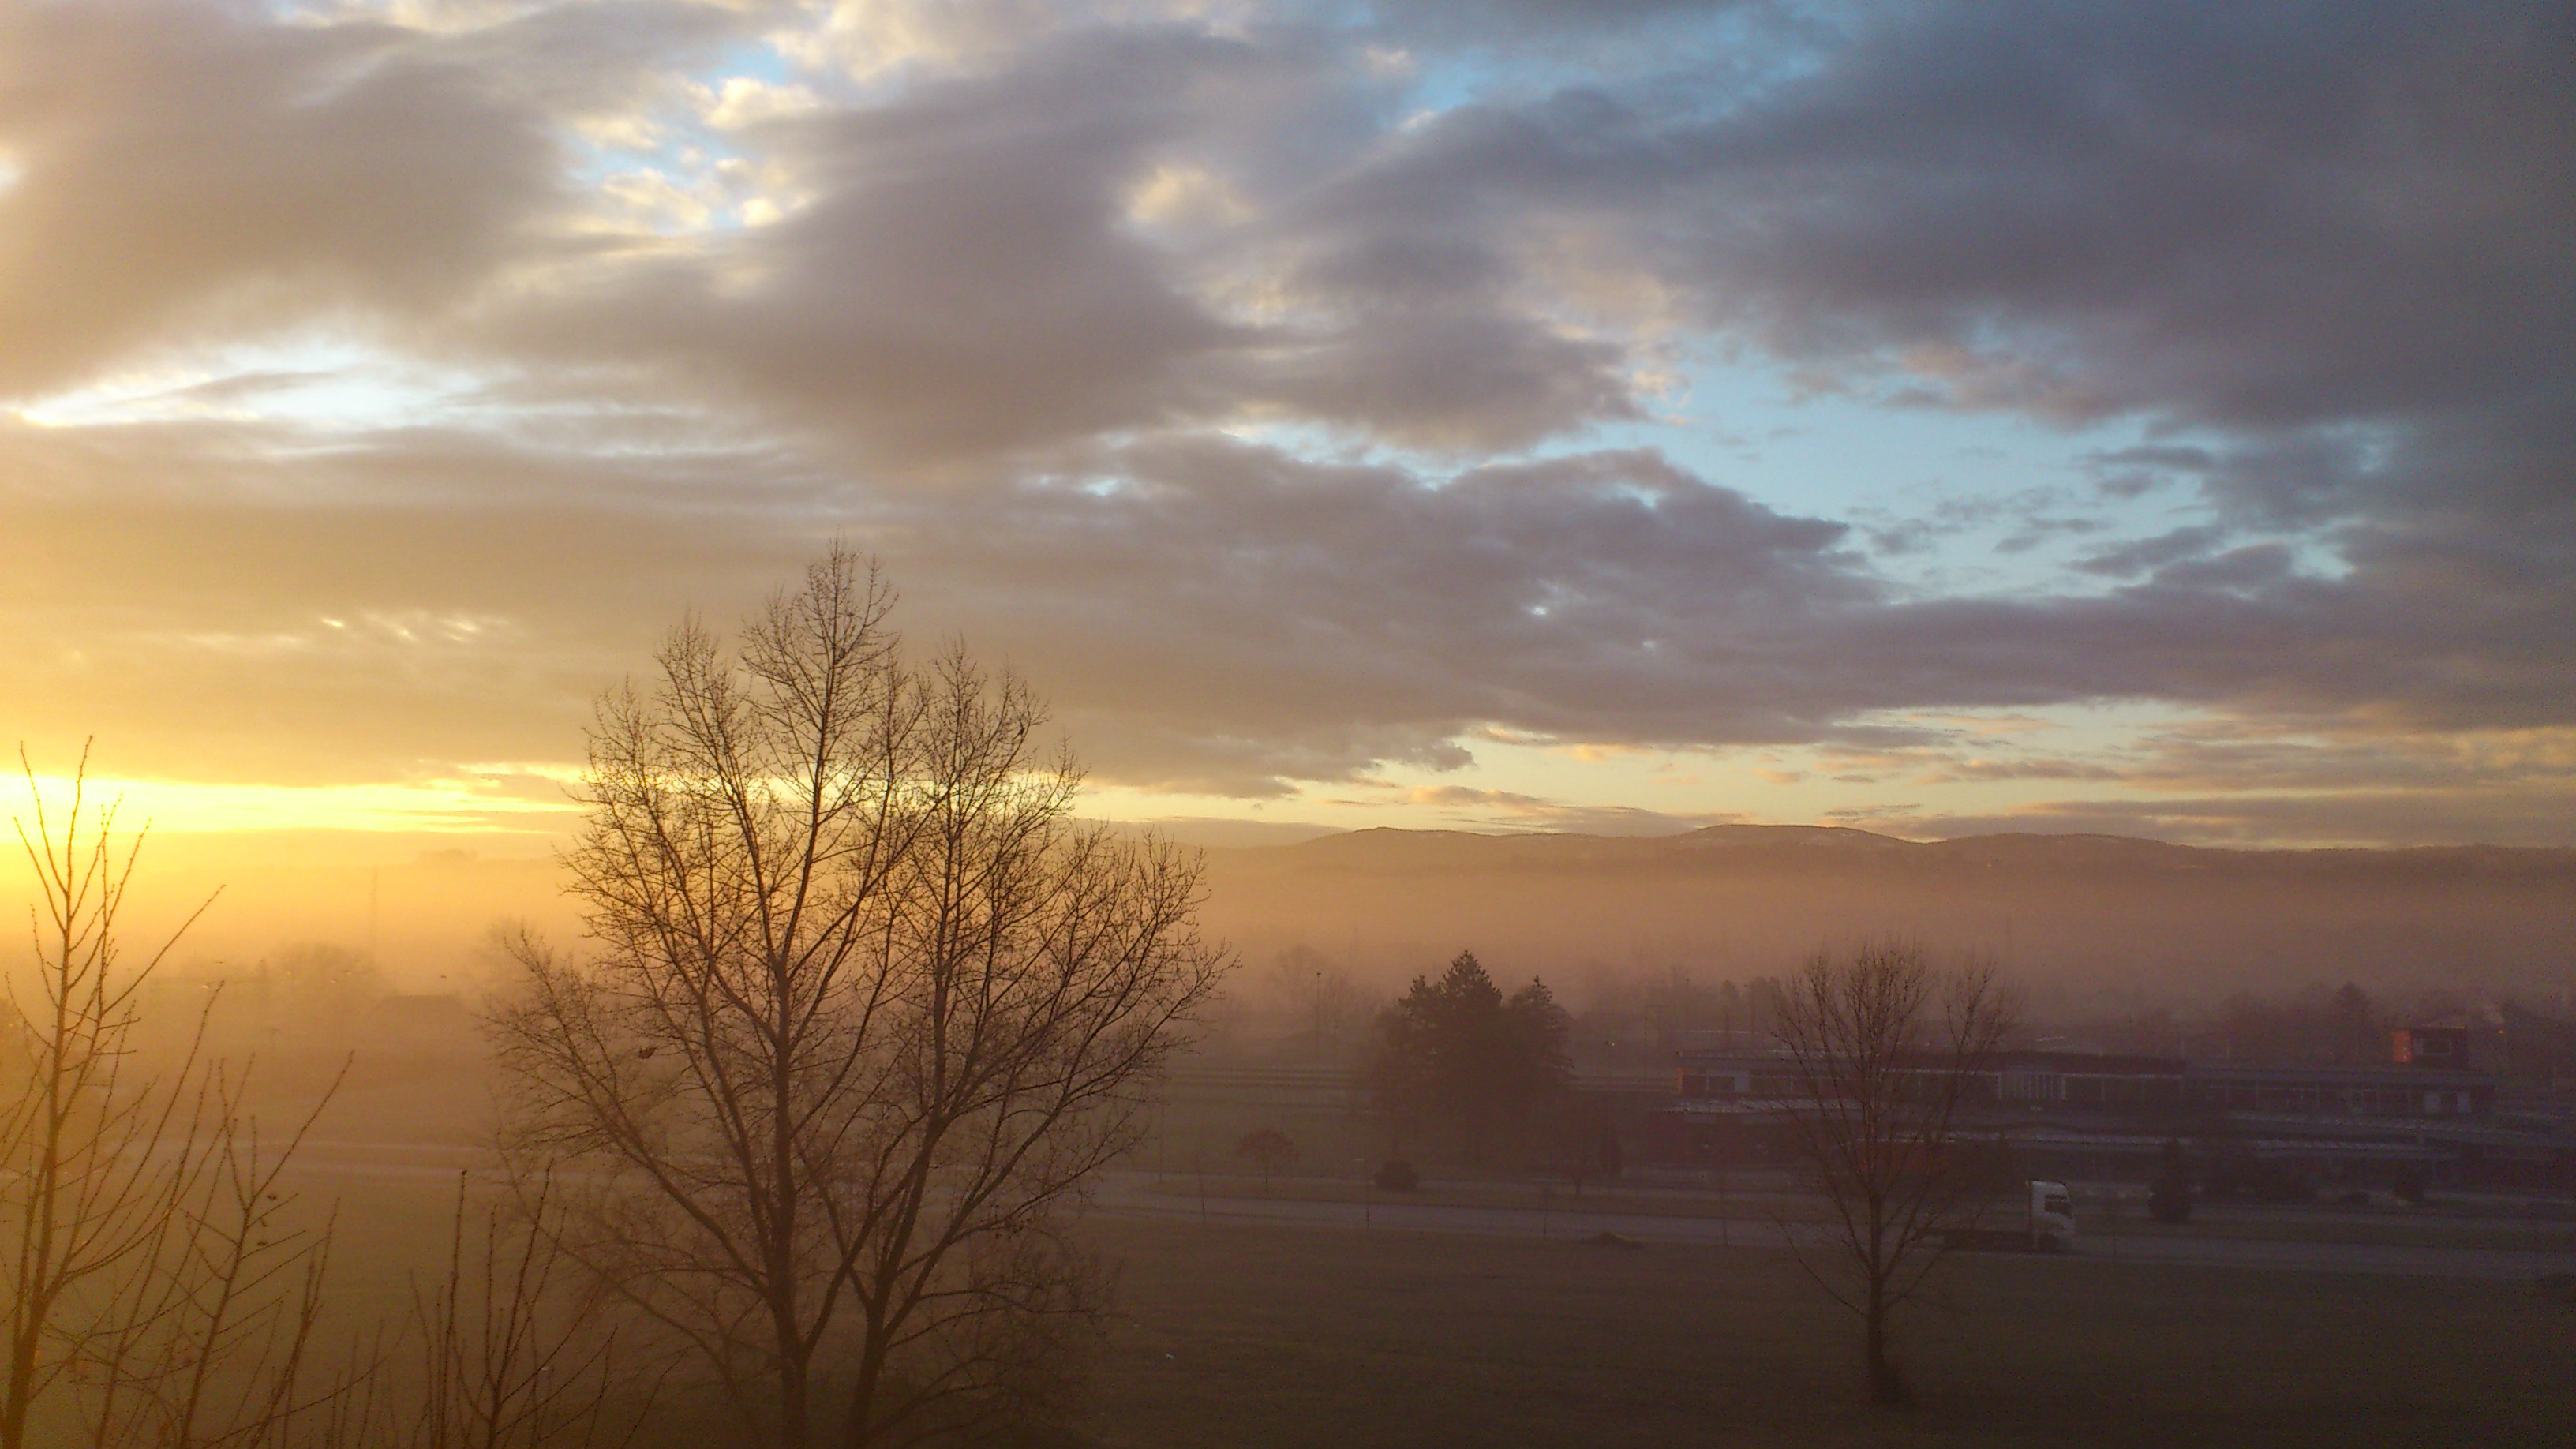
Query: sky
{"points": [[1617, 416]]}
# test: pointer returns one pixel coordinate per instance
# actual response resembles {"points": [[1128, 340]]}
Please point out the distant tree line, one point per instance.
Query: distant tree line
{"points": [[2341, 1025], [1639, 1016]]}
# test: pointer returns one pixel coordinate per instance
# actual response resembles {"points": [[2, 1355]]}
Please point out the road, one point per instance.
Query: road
{"points": [[1135, 1195]]}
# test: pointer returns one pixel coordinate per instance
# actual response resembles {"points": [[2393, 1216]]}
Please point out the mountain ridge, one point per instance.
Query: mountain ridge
{"points": [[2087, 912], [2041, 847]]}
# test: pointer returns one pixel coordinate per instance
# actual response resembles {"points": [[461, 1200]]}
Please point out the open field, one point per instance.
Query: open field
{"points": [[1234, 1334], [1241, 1331], [1267, 1336]]}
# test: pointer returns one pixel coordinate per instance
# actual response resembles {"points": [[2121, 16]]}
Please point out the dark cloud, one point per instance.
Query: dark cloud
{"points": [[2262, 216], [1309, 620], [1207, 616], [2027, 517], [986, 266], [1261, 418], [2143, 555], [184, 172], [2154, 455], [2332, 232], [961, 283]]}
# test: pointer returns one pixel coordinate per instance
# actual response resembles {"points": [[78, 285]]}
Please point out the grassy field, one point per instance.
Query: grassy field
{"points": [[1248, 1336], [1232, 1335], [1229, 1335]]}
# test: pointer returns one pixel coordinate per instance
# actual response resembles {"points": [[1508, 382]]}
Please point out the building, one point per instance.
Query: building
{"points": [[2267, 1128]]}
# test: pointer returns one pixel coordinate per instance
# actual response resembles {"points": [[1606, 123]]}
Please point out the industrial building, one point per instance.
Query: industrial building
{"points": [[2424, 1118]]}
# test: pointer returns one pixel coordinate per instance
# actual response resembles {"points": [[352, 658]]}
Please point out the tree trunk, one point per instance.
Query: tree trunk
{"points": [[22, 1379], [793, 1427], [1886, 1385], [863, 1394]]}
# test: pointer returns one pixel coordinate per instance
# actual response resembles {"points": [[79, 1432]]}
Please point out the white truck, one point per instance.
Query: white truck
{"points": [[2050, 1228], [2052, 1217]]}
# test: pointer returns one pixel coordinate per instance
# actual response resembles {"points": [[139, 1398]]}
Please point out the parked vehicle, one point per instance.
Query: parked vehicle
{"points": [[2050, 1227], [2052, 1217]]}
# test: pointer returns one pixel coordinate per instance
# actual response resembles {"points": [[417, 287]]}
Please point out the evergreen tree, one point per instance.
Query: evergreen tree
{"points": [[1457, 1054]]}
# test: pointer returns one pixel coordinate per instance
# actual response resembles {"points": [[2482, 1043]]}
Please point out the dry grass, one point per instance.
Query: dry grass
{"points": [[1234, 1335], [1274, 1336]]}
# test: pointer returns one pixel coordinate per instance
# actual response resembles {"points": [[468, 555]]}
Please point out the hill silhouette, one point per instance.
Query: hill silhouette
{"points": [[2080, 914]]}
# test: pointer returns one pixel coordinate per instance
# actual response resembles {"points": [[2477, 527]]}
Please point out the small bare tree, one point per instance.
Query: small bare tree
{"points": [[162, 1287], [512, 1354], [1317, 996], [863, 1014], [1885, 1049], [1269, 1149]]}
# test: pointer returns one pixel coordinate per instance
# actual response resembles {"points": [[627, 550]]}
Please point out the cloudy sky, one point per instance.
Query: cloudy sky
{"points": [[1607, 416]]}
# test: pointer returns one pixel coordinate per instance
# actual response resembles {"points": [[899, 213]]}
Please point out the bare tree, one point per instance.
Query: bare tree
{"points": [[862, 1016], [1317, 995], [1269, 1149], [163, 1288], [512, 1354], [1885, 1049]]}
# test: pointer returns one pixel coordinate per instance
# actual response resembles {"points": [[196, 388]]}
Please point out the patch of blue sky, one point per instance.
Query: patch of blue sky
{"points": [[1942, 501], [751, 60], [684, 150], [1692, 59], [1442, 83], [1944, 498], [2318, 558]]}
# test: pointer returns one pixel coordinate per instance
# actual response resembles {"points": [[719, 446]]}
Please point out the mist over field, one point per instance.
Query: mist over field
{"points": [[2087, 921]]}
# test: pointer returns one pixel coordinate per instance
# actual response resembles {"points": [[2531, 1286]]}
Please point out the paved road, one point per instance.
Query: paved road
{"points": [[1134, 1195]]}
